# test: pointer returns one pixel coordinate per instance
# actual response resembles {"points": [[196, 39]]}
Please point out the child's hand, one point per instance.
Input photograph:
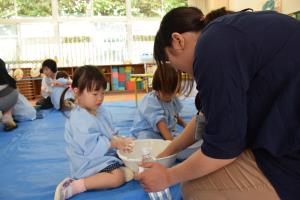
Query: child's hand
{"points": [[125, 144]]}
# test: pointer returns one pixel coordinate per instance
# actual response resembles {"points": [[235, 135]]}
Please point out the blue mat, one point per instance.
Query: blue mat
{"points": [[33, 159]]}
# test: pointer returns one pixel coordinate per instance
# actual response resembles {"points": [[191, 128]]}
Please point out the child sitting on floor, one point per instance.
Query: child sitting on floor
{"points": [[158, 112], [91, 139], [24, 111], [49, 69], [61, 87]]}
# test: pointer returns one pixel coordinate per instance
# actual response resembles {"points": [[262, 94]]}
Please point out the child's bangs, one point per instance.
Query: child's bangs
{"points": [[94, 85], [91, 79], [95, 81]]}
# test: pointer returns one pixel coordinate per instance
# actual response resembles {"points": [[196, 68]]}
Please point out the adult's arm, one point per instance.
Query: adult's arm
{"points": [[157, 177], [185, 139]]}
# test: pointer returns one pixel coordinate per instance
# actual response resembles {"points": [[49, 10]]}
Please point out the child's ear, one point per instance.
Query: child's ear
{"points": [[177, 41]]}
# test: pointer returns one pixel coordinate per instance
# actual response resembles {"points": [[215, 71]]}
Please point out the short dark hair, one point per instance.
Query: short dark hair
{"points": [[51, 64], [62, 74], [166, 83], [88, 77]]}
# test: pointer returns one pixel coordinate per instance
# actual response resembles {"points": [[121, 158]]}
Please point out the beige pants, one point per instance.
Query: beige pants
{"points": [[240, 180]]}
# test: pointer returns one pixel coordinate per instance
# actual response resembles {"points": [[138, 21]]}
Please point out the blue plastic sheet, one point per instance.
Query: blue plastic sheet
{"points": [[33, 159]]}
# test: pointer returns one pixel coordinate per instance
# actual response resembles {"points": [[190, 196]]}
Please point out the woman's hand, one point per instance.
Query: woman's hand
{"points": [[154, 178]]}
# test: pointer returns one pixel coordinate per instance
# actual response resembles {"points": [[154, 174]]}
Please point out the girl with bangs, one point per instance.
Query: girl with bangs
{"points": [[91, 139], [158, 112]]}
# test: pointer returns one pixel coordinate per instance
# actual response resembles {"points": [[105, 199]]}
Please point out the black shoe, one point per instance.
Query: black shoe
{"points": [[10, 128], [37, 107], [39, 115], [44, 103]]}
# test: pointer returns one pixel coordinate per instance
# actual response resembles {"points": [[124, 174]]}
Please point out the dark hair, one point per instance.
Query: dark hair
{"points": [[217, 13], [5, 78], [166, 83], [86, 77], [198, 102], [181, 20], [62, 74], [51, 64]]}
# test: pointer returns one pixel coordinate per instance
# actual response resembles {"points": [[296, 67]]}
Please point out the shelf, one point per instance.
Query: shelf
{"points": [[30, 79], [30, 87]]}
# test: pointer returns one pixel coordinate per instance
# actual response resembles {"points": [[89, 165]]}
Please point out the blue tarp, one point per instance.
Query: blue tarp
{"points": [[33, 159]]}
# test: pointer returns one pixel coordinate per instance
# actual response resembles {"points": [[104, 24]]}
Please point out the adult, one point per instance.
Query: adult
{"points": [[8, 97], [247, 70]]}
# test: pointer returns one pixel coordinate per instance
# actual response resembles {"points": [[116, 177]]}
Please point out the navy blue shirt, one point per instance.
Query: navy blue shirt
{"points": [[247, 69]]}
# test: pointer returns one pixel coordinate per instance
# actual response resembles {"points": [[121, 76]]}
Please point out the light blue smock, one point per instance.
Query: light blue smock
{"points": [[46, 88], [152, 110], [88, 142], [23, 110], [57, 92]]}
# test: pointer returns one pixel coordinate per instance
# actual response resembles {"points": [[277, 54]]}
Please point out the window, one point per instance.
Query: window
{"points": [[28, 8], [73, 7], [34, 8], [154, 8], [7, 8], [8, 42], [109, 7], [143, 32], [94, 31], [146, 8]]}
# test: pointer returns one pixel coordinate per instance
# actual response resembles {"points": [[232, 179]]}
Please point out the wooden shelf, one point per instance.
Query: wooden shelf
{"points": [[31, 87]]}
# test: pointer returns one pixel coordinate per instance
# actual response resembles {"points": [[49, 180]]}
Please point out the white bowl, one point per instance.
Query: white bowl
{"points": [[132, 159]]}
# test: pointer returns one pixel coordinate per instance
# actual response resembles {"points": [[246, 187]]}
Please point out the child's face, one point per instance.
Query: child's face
{"points": [[91, 100], [47, 71], [166, 97]]}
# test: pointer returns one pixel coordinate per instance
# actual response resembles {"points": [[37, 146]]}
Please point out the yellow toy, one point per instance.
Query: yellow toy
{"points": [[35, 72], [18, 74]]}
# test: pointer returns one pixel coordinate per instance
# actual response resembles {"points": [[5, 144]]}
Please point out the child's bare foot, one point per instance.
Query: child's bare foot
{"points": [[64, 190], [128, 174]]}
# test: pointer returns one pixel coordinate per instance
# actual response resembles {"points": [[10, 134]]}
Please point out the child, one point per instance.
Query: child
{"points": [[49, 69], [60, 85], [91, 139], [8, 97], [24, 111], [158, 112]]}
